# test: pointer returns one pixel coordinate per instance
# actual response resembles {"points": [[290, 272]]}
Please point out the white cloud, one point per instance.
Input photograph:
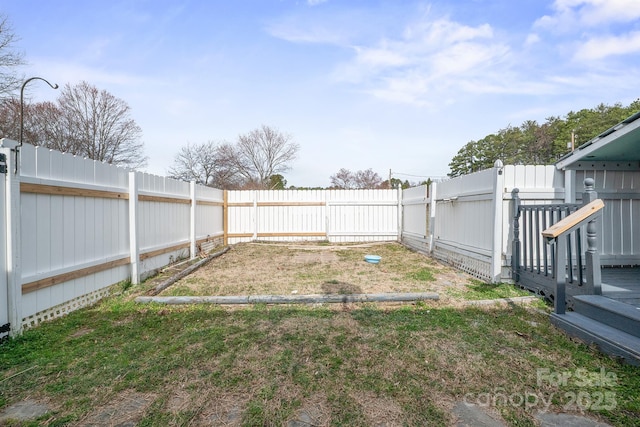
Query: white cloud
{"points": [[596, 12], [570, 15], [431, 56], [602, 47], [381, 57], [444, 31], [408, 89], [308, 33], [593, 29], [315, 2], [532, 39], [466, 58]]}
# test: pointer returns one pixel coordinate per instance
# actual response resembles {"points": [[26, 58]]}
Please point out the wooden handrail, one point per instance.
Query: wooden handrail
{"points": [[572, 220]]}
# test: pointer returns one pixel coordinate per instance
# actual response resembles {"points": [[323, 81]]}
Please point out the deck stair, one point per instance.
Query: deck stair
{"points": [[611, 325]]}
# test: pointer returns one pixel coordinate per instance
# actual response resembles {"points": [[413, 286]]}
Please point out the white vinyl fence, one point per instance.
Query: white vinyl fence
{"points": [[466, 221], [6, 307], [418, 217], [74, 227], [333, 215]]}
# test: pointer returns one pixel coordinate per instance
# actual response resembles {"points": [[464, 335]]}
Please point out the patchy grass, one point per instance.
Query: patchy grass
{"points": [[423, 275], [478, 290], [285, 268], [356, 365], [350, 365]]}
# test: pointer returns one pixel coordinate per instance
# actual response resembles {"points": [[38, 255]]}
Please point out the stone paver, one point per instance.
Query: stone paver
{"points": [[125, 414], [24, 411], [549, 419], [469, 415]]}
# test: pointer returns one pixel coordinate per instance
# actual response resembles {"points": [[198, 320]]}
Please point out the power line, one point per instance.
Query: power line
{"points": [[418, 176]]}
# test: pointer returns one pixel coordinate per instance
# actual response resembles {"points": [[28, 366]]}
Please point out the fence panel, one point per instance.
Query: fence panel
{"points": [[465, 238], [290, 214], [362, 215], [335, 215], [538, 184], [63, 231], [163, 222], [74, 232], [209, 218], [416, 218]]}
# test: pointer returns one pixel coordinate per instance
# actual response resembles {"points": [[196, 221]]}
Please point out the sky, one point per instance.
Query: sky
{"points": [[390, 85]]}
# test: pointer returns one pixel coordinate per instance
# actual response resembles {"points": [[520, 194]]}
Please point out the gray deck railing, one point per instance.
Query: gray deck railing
{"points": [[556, 236], [534, 263]]}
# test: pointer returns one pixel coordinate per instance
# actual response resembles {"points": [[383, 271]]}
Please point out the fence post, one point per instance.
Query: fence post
{"points": [[255, 215], [515, 249], [133, 228], [192, 222], [327, 212], [498, 189], [13, 236], [225, 217], [433, 189], [400, 219]]}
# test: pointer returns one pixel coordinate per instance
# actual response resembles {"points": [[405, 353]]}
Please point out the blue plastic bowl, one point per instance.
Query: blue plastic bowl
{"points": [[373, 259]]}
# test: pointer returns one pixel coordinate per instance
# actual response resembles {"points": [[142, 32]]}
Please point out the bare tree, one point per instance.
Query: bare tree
{"points": [[43, 124], [367, 179], [194, 162], [264, 152], [83, 121], [343, 180], [206, 164], [47, 126], [99, 126], [9, 118], [251, 163], [10, 59]]}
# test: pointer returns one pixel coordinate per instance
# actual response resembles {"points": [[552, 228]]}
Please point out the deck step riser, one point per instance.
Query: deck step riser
{"points": [[616, 314], [608, 340]]}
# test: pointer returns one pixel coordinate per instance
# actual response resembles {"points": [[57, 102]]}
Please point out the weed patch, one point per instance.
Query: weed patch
{"points": [[478, 290], [423, 275]]}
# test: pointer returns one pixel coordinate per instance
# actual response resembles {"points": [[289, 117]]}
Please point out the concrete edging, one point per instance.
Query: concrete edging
{"points": [[291, 299]]}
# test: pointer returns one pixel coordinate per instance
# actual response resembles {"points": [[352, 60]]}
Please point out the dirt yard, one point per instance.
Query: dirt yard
{"points": [[312, 268]]}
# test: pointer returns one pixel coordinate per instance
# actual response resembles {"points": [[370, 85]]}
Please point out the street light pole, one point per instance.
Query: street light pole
{"points": [[53, 86]]}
